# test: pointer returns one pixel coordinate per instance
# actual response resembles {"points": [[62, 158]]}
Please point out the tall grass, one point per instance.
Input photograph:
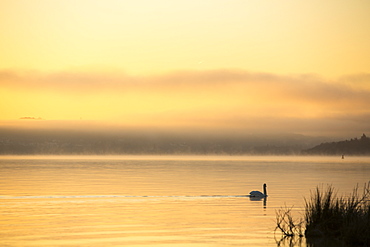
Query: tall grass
{"points": [[327, 215]]}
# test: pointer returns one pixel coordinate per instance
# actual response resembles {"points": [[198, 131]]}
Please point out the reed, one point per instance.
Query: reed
{"points": [[326, 215]]}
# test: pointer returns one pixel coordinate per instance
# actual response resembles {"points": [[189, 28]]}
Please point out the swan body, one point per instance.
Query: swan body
{"points": [[259, 193], [256, 193]]}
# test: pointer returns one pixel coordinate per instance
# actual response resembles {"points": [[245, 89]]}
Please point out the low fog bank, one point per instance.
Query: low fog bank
{"points": [[135, 141]]}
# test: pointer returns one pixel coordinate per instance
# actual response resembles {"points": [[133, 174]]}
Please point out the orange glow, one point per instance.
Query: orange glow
{"points": [[181, 63]]}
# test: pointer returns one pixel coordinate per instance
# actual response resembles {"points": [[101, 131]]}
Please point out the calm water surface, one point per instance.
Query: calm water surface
{"points": [[159, 201]]}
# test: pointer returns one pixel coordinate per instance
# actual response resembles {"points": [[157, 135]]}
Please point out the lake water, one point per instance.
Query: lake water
{"points": [[159, 200]]}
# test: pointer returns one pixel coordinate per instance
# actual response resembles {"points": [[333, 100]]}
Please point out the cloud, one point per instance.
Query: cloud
{"points": [[309, 85], [31, 118], [228, 99], [346, 91]]}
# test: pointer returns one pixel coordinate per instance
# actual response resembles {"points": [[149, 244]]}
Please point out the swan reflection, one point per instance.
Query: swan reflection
{"points": [[264, 199]]}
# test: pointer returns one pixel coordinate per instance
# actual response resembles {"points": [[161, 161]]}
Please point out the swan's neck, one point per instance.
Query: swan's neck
{"points": [[264, 190]]}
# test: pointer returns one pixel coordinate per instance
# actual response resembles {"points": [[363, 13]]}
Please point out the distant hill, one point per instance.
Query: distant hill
{"points": [[348, 147], [100, 142]]}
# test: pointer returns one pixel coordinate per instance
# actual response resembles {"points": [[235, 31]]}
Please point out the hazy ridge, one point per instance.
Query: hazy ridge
{"points": [[27, 141]]}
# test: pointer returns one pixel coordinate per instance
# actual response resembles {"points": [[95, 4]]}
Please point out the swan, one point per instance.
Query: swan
{"points": [[259, 193]]}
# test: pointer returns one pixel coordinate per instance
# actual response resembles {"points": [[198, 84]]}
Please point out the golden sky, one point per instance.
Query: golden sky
{"points": [[291, 66]]}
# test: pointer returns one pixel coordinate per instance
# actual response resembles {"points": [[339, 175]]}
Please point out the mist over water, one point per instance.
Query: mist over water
{"points": [[162, 200]]}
